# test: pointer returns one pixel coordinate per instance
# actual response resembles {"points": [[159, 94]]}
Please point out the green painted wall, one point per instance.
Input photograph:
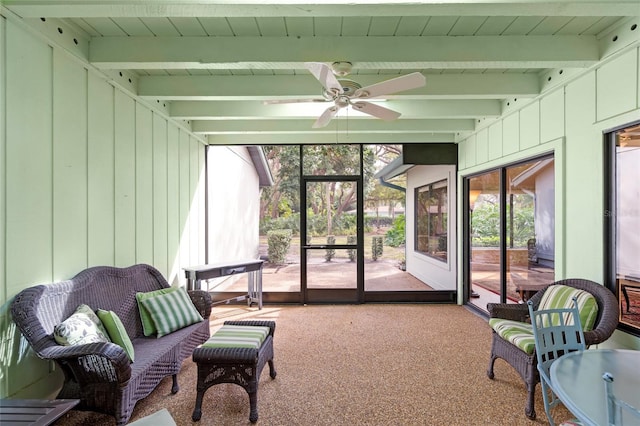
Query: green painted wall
{"points": [[89, 176], [568, 119]]}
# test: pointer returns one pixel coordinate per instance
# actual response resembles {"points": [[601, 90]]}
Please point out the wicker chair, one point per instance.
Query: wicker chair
{"points": [[525, 364]]}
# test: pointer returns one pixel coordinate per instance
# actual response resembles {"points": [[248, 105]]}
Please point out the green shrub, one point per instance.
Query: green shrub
{"points": [[352, 239], [376, 247], [330, 252], [279, 241], [395, 236]]}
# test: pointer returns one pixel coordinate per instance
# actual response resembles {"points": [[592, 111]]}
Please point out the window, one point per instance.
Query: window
{"points": [[431, 220], [623, 223]]}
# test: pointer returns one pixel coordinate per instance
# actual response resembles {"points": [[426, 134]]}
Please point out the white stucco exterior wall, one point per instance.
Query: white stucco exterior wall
{"points": [[435, 273], [234, 204]]}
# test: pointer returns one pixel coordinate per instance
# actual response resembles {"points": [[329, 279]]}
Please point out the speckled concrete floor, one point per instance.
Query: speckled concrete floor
{"points": [[391, 364]]}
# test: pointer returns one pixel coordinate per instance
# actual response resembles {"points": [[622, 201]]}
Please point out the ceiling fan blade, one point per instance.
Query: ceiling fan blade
{"points": [[324, 74], [291, 101], [376, 110], [398, 84], [326, 117]]}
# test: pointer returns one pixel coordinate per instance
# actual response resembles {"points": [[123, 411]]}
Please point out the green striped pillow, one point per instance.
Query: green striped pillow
{"points": [[171, 311], [518, 333], [561, 297], [148, 327], [238, 336]]}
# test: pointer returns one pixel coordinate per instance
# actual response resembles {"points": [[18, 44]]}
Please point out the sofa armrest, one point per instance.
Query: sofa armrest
{"points": [[202, 301], [92, 363], [510, 311]]}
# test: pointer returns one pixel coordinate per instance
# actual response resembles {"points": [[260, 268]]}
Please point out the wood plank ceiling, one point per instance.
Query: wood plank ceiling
{"points": [[212, 63]]}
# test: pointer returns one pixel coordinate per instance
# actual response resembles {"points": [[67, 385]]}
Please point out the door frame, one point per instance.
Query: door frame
{"points": [[466, 237], [332, 295]]}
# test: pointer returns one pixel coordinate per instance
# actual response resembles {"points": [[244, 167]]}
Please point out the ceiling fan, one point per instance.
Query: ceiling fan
{"points": [[344, 92]]}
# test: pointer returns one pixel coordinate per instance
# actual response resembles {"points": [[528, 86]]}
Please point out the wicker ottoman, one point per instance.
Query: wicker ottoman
{"points": [[236, 354]]}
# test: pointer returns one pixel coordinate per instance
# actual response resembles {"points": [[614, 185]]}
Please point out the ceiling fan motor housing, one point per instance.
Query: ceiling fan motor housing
{"points": [[349, 87]]}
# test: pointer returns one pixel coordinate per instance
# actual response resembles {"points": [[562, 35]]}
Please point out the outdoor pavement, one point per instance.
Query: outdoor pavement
{"points": [[381, 275]]}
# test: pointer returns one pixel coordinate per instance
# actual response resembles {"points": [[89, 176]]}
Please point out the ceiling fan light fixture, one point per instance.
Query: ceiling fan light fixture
{"points": [[342, 68]]}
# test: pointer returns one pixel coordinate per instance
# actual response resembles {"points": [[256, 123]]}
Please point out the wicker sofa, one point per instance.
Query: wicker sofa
{"points": [[101, 374], [526, 364]]}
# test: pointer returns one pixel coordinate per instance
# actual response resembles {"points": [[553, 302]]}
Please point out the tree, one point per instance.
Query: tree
{"points": [[284, 162], [328, 199]]}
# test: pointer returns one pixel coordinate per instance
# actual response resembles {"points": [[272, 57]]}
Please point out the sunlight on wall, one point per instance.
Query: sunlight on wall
{"points": [[234, 202]]}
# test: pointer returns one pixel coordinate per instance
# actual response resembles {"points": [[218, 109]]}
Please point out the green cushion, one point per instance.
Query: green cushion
{"points": [[517, 333], [82, 327], [172, 311], [238, 336], [148, 327], [117, 332], [561, 297]]}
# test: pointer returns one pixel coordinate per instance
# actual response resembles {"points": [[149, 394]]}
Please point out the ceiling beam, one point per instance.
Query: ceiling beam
{"points": [[284, 127], [329, 138], [395, 52], [333, 8], [439, 86], [243, 110]]}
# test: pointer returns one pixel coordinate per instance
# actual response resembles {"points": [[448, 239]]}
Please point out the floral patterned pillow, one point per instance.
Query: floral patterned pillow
{"points": [[82, 327]]}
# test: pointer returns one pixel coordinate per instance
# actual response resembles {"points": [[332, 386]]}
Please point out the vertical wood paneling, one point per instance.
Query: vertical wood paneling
{"points": [[29, 217], [144, 185], [194, 213], [470, 151], [160, 194], [85, 173], [482, 151], [173, 202], [462, 161], [101, 172], [3, 156], [185, 199], [552, 116], [511, 138], [530, 126], [617, 86], [28, 178], [70, 229], [495, 140], [125, 180], [202, 235], [583, 172]]}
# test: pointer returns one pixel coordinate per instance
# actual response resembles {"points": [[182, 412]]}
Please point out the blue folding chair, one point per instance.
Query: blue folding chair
{"points": [[556, 332]]}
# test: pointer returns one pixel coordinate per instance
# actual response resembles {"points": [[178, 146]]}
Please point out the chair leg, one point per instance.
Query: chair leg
{"points": [[272, 369], [175, 388], [547, 400], [530, 410], [197, 411], [492, 361], [253, 405]]}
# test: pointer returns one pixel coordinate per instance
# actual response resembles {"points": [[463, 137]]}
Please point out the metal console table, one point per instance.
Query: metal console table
{"points": [[195, 274]]}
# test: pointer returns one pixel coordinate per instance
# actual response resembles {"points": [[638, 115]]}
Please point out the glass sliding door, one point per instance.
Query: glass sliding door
{"points": [[530, 228], [623, 222], [484, 236], [511, 232]]}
